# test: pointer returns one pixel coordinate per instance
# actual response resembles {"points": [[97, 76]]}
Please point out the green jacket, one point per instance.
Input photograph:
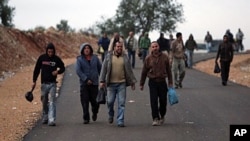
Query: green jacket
{"points": [[145, 43]]}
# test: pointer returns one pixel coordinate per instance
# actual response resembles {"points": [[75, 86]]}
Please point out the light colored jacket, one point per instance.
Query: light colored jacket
{"points": [[106, 70], [135, 43]]}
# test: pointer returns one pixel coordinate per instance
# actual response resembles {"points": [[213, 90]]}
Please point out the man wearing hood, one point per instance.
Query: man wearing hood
{"points": [[157, 68], [50, 65], [88, 68]]}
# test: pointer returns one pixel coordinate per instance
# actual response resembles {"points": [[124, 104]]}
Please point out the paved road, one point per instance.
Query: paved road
{"points": [[205, 111]]}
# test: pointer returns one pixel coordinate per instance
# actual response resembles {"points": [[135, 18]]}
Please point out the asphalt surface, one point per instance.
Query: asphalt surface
{"points": [[205, 111]]}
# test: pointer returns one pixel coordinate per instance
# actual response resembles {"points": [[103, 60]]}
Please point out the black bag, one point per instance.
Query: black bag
{"points": [[29, 95], [216, 68], [140, 52], [101, 96]]}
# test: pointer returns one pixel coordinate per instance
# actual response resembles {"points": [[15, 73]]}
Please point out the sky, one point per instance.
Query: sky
{"points": [[215, 16]]}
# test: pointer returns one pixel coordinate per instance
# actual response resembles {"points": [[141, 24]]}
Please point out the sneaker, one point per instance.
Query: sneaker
{"points": [[44, 121], [52, 123], [86, 122], [121, 125], [162, 120], [224, 83], [155, 122], [94, 117], [180, 85], [111, 120]]}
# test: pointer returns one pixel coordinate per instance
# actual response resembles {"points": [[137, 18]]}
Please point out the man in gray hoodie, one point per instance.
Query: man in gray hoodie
{"points": [[88, 67]]}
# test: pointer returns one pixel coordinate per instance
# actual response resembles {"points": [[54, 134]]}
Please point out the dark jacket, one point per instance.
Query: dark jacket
{"points": [[88, 70], [46, 65], [104, 42], [164, 44], [225, 52]]}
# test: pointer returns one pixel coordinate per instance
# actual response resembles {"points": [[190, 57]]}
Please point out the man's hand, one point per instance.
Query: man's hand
{"points": [[133, 86], [141, 87], [33, 85], [89, 82], [55, 73], [102, 85]]}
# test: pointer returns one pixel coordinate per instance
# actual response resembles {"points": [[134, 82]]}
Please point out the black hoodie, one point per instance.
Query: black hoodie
{"points": [[47, 65]]}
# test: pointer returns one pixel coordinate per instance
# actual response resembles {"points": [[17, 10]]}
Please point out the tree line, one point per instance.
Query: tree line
{"points": [[131, 15]]}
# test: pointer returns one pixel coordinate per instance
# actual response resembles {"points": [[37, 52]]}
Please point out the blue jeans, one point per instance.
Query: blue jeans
{"points": [[116, 90], [48, 98], [190, 58], [144, 54], [208, 46], [131, 53]]}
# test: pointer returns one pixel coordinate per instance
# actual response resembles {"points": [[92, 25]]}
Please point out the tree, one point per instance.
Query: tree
{"points": [[146, 15], [6, 13], [63, 26]]}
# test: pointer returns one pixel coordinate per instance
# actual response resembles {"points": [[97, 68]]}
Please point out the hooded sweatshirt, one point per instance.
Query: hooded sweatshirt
{"points": [[88, 68], [46, 65]]}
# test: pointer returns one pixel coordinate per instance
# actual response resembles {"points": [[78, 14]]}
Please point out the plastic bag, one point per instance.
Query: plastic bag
{"points": [[172, 97], [101, 96], [216, 68], [100, 50]]}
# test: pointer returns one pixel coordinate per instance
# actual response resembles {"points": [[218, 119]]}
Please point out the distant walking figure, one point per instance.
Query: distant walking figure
{"points": [[225, 53]]}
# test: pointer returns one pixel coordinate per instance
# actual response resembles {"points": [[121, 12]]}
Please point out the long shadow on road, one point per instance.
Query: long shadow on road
{"points": [[204, 113]]}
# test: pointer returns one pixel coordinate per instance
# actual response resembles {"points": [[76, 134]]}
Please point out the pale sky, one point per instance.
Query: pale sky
{"points": [[201, 16]]}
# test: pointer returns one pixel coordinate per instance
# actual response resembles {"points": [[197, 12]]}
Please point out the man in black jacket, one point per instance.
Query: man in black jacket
{"points": [[225, 52], [50, 65]]}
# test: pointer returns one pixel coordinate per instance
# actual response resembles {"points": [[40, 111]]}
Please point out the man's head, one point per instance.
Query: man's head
{"points": [[179, 36], [116, 35], [154, 47], [86, 49], [50, 50], [118, 48], [131, 33], [225, 38]]}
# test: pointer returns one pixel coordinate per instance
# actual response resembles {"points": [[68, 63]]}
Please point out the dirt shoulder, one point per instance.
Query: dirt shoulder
{"points": [[18, 116]]}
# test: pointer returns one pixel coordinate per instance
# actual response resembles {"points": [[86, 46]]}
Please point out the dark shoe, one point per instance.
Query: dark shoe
{"points": [[180, 85], [94, 117], [111, 120], [121, 125], [44, 121], [224, 83], [86, 122], [52, 123], [176, 85]]}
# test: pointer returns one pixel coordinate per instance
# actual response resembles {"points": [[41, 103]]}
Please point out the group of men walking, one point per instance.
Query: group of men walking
{"points": [[163, 64]]}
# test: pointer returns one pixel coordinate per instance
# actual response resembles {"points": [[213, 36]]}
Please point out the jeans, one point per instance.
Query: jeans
{"points": [[131, 53], [88, 95], [208, 46], [190, 58], [225, 69], [178, 70], [104, 55], [48, 98], [144, 54], [158, 94], [116, 90]]}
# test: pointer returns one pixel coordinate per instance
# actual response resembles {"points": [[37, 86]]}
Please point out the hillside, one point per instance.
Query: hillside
{"points": [[22, 48]]}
